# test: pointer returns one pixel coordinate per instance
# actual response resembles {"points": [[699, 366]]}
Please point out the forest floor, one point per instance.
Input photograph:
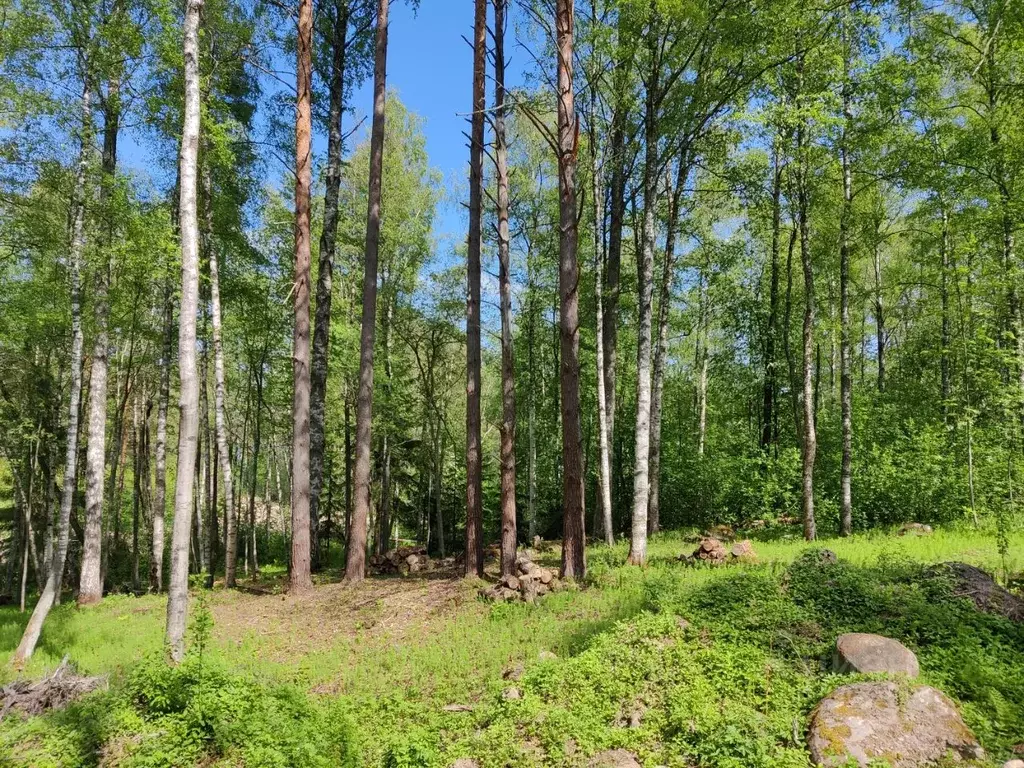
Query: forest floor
{"points": [[419, 661]]}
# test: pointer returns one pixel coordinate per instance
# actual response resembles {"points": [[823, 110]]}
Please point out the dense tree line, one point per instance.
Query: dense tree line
{"points": [[754, 261]]}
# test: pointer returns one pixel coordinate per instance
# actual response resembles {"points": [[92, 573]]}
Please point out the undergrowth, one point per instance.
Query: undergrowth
{"points": [[683, 666], [194, 713]]}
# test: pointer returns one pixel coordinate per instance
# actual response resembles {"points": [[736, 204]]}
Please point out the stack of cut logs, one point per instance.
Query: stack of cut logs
{"points": [[529, 582], [404, 560], [713, 551]]}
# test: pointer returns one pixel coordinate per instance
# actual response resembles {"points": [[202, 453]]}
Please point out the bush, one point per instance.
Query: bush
{"points": [[193, 713]]}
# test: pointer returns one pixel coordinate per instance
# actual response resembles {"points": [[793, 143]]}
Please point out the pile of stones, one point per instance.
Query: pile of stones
{"points": [[529, 582], [403, 560]]}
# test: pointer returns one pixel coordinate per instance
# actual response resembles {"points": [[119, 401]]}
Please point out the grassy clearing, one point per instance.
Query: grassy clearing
{"points": [[731, 689]]}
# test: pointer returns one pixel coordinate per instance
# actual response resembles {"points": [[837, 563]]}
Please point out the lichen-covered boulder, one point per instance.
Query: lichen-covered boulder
{"points": [[883, 722], [859, 652]]}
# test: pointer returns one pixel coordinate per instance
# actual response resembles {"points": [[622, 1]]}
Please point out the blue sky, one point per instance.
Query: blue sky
{"points": [[430, 66]]}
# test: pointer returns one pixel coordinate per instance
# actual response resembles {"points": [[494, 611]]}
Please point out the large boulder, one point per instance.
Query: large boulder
{"points": [[859, 652], [981, 589], [880, 722], [614, 758]]}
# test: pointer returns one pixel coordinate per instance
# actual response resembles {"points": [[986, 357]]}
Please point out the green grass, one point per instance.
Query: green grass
{"points": [[731, 689]]}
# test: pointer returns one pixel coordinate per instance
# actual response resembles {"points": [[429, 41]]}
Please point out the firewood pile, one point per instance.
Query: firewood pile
{"points": [[55, 691], [529, 582], [403, 560], [714, 552]]}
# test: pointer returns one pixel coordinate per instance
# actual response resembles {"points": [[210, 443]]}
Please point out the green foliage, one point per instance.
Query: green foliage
{"points": [[194, 713], [725, 665], [752, 661]]}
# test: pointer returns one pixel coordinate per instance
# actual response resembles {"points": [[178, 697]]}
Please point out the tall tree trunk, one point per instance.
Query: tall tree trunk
{"points": [[661, 346], [944, 261], [794, 388], [574, 563], [508, 381], [188, 424], [645, 275], [439, 468], [156, 561], [771, 331], [810, 440], [220, 389], [348, 462], [118, 454], [613, 265], [206, 500], [91, 581], [355, 567], [384, 507], [531, 409], [256, 437], [55, 575], [325, 273], [604, 476], [136, 493], [880, 330], [474, 458], [300, 580], [702, 359], [845, 361]]}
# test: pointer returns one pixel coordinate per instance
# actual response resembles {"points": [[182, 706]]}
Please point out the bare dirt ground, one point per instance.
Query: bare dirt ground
{"points": [[390, 606]]}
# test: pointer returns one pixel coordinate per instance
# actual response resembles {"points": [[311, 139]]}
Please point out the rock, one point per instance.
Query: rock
{"points": [[511, 694], [859, 652], [981, 589], [546, 656], [614, 758], [465, 762], [457, 708], [513, 672], [1014, 764], [682, 623], [877, 722], [916, 529], [743, 550]]}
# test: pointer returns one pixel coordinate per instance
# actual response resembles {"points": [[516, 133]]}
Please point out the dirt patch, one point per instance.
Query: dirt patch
{"points": [[299, 625]]}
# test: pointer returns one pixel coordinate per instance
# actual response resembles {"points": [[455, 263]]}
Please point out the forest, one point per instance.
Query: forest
{"points": [[317, 451]]}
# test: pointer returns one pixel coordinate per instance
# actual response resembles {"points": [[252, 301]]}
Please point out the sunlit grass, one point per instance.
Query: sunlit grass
{"points": [[400, 676]]}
